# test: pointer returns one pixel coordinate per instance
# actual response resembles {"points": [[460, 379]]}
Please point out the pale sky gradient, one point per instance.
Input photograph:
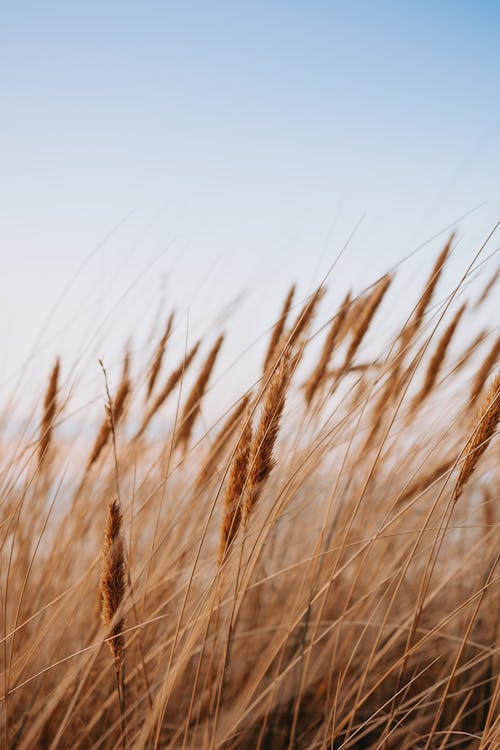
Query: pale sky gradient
{"points": [[236, 145]]}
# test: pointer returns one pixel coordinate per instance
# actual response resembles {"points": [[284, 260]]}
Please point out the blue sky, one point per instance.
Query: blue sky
{"points": [[239, 143]]}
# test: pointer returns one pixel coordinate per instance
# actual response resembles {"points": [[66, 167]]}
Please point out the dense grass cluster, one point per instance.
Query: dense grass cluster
{"points": [[316, 567]]}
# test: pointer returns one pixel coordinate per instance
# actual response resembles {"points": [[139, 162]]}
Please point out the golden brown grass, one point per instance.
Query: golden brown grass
{"points": [[366, 315], [237, 478], [158, 356], [305, 316], [112, 590], [484, 428], [49, 412], [193, 401], [278, 329], [261, 460], [318, 374], [112, 586], [437, 360], [410, 330], [174, 378], [317, 578], [114, 412], [484, 371], [222, 440]]}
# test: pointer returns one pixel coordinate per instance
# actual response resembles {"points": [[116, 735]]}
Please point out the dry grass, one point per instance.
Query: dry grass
{"points": [[158, 356], [279, 572], [49, 412]]}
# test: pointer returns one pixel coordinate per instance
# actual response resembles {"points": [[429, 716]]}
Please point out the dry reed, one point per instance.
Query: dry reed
{"points": [[365, 318], [158, 356], [49, 412], [411, 329], [318, 374], [167, 389], [238, 473], [484, 371], [113, 581], [112, 589], [196, 394], [105, 430], [484, 428], [424, 482], [305, 316], [278, 329], [261, 450], [437, 360], [351, 619], [488, 287], [470, 349], [221, 441]]}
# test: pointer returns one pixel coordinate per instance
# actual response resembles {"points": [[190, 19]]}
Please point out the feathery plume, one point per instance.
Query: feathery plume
{"points": [[278, 329], [466, 354], [194, 398], [118, 407], [49, 412], [488, 287], [112, 590], [305, 316], [113, 580], [261, 450], [319, 372], [437, 360], [484, 371], [158, 356], [366, 316], [484, 428], [126, 364], [221, 440], [409, 331], [167, 389], [238, 473], [425, 482]]}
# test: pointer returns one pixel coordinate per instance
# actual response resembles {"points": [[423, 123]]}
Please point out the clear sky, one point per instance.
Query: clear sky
{"points": [[234, 144]]}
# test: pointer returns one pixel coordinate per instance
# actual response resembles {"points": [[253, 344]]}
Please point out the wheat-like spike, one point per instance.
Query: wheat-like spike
{"points": [[221, 440], [261, 450], [319, 372], [196, 394], [305, 316], [425, 482], [391, 386], [398, 378], [437, 360], [484, 371], [353, 315], [49, 412], [366, 316], [118, 407], [488, 287], [120, 399], [237, 478], [112, 590], [167, 389], [113, 581], [158, 356], [410, 330], [466, 354], [484, 428], [126, 364], [278, 329]]}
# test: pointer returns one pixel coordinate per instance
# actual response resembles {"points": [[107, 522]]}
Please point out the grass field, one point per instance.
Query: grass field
{"points": [[316, 566]]}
